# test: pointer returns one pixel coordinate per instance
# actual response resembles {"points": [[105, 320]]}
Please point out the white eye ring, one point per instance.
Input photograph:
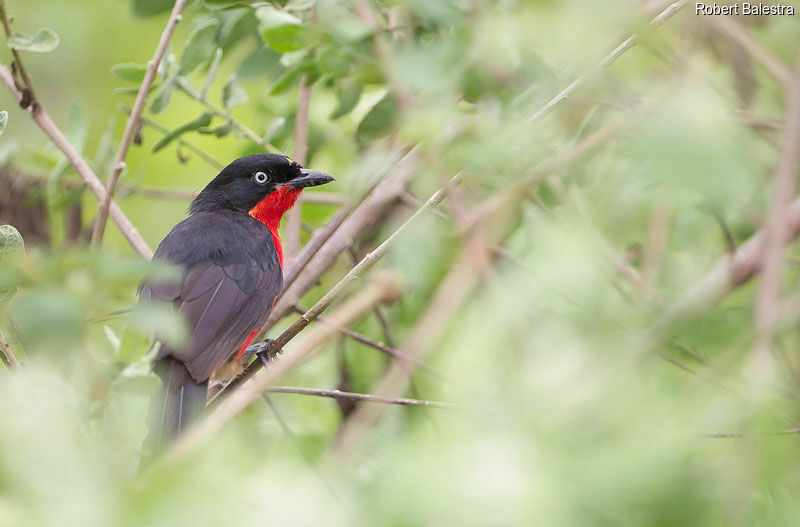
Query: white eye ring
{"points": [[260, 178]]}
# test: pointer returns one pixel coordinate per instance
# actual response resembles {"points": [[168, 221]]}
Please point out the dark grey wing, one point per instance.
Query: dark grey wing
{"points": [[222, 305]]}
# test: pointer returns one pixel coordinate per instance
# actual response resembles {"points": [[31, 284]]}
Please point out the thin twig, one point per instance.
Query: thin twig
{"points": [[294, 216], [609, 59], [338, 394], [133, 122], [42, 118]]}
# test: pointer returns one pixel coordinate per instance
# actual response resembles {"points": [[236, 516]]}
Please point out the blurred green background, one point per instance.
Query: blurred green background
{"points": [[576, 412]]}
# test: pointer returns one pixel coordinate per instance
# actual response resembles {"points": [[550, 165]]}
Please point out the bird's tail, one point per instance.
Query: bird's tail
{"points": [[179, 402]]}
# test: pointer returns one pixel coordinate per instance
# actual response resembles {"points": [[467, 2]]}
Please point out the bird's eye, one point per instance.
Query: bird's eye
{"points": [[260, 178]]}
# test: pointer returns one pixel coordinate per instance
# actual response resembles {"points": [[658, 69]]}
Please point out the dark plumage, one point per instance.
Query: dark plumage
{"points": [[230, 253]]}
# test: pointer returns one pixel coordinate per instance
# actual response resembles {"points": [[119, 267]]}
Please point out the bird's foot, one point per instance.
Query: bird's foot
{"points": [[262, 350]]}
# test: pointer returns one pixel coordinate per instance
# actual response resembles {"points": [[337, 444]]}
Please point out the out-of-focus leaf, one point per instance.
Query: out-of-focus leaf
{"points": [[219, 131], [129, 71], [44, 41], [280, 30], [285, 82], [258, 63], [379, 120], [237, 26], [334, 60], [161, 100], [198, 48], [300, 5], [227, 4], [347, 97], [10, 242], [233, 94], [200, 122], [77, 129], [148, 8], [341, 22], [3, 121]]}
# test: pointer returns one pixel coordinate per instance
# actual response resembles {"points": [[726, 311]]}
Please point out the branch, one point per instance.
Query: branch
{"points": [[776, 229], [133, 122], [42, 118], [347, 313], [28, 99], [609, 59], [338, 394], [294, 217]]}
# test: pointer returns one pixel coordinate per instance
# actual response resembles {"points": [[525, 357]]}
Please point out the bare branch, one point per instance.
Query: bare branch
{"points": [[338, 394], [133, 122]]}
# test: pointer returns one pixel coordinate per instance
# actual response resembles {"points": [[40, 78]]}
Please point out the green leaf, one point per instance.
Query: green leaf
{"points": [[148, 8], [77, 129], [258, 63], [237, 26], [285, 82], [198, 48], [219, 131], [129, 71], [161, 100], [347, 96], [3, 121], [379, 120], [233, 94], [280, 30], [44, 41], [202, 121], [11, 244]]}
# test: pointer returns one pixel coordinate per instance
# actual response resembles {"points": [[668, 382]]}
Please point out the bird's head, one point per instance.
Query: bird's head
{"points": [[262, 185]]}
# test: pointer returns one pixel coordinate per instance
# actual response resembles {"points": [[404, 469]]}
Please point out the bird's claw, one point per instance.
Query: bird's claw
{"points": [[261, 349]]}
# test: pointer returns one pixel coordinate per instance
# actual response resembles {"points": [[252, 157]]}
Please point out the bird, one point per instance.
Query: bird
{"points": [[230, 259]]}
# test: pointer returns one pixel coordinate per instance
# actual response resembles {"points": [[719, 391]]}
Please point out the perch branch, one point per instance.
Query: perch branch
{"points": [[338, 394]]}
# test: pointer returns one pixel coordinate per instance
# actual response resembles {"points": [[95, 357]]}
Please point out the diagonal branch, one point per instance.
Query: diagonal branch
{"points": [[133, 122]]}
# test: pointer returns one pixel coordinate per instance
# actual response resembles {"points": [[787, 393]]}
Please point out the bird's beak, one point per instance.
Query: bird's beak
{"points": [[309, 178]]}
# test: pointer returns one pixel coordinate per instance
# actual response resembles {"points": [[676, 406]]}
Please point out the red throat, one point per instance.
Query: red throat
{"points": [[269, 211]]}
